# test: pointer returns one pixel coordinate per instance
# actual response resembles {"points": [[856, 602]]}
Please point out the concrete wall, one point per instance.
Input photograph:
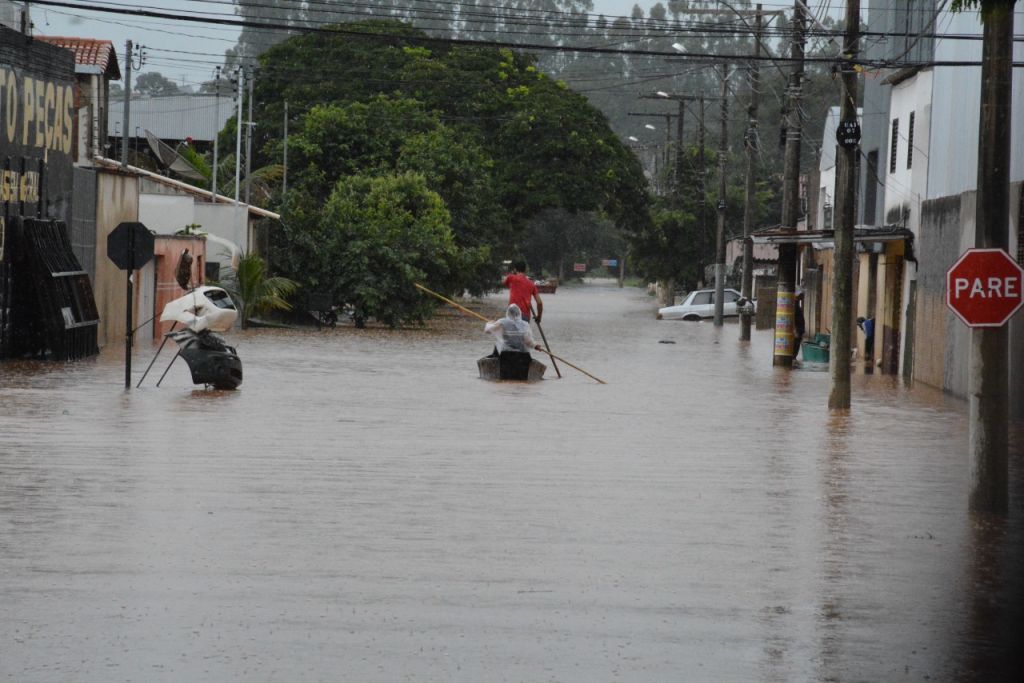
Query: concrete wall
{"points": [[166, 214], [947, 227], [117, 200], [941, 340]]}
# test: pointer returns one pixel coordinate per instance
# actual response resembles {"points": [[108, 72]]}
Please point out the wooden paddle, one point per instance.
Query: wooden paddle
{"points": [[545, 340], [477, 315]]}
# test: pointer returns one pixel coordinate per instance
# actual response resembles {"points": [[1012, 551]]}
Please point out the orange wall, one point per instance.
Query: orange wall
{"points": [[168, 249]]}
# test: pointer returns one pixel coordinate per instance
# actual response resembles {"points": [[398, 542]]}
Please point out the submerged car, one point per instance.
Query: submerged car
{"points": [[700, 303]]}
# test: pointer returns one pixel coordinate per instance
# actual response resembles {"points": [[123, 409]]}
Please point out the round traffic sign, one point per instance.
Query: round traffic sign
{"points": [[985, 287]]}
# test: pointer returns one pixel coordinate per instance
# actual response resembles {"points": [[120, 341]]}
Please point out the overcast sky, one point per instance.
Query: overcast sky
{"points": [[163, 36]]}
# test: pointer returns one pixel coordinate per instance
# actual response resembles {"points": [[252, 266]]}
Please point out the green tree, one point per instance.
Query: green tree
{"points": [[155, 84], [382, 234], [255, 292]]}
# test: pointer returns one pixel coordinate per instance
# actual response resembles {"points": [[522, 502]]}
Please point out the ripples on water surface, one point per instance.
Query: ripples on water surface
{"points": [[365, 508]]}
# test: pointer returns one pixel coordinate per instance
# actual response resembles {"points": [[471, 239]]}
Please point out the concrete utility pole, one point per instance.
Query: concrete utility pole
{"points": [[846, 211], [238, 132], [216, 131], [126, 114], [723, 151], [284, 170], [754, 76], [784, 347], [703, 194], [666, 166], [248, 143], [988, 380]]}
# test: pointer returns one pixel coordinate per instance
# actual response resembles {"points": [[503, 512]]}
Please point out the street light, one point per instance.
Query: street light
{"points": [[678, 47], [661, 93], [633, 139], [649, 127]]}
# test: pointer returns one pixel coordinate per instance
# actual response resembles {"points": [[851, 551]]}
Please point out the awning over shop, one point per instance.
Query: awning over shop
{"points": [[863, 233]]}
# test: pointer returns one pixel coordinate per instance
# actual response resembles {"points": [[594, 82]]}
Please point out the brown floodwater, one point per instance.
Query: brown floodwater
{"points": [[365, 508]]}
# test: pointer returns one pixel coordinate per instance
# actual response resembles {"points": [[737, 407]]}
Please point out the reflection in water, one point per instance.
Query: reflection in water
{"points": [[364, 508], [836, 549]]}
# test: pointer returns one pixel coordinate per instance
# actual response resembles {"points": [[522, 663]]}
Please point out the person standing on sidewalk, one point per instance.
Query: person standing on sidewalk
{"points": [[521, 289]]}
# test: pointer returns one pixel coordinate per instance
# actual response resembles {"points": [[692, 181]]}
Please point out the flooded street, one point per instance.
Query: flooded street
{"points": [[365, 508]]}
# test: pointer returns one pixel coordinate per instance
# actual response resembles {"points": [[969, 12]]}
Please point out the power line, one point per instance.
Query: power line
{"points": [[334, 29]]}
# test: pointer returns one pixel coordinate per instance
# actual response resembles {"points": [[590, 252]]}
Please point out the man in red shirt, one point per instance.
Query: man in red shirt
{"points": [[520, 289]]}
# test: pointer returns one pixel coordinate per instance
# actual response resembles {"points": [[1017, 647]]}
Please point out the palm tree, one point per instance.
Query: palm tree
{"points": [[254, 292]]}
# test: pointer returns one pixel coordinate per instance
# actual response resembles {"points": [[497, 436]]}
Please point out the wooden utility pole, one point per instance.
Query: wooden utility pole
{"points": [[126, 114], [754, 76], [784, 347], [846, 213], [723, 151], [988, 376]]}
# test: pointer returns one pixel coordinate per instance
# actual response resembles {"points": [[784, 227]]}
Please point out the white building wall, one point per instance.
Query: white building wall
{"points": [[905, 187], [226, 221], [955, 108], [166, 214], [827, 169]]}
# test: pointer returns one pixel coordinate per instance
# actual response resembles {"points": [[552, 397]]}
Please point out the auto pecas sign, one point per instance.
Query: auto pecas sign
{"points": [[37, 113]]}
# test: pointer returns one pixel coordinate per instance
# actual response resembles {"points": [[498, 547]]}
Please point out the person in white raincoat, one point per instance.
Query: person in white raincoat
{"points": [[511, 333]]}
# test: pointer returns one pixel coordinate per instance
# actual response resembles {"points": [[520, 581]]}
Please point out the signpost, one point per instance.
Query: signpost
{"points": [[579, 267], [985, 287], [129, 246]]}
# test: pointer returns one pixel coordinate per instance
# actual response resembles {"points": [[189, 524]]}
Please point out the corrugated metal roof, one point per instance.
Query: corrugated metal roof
{"points": [[174, 117], [91, 55]]}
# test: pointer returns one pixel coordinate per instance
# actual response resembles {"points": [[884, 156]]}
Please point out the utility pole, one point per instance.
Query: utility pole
{"points": [[666, 164], [238, 132], [988, 377], [754, 76], [723, 151], [846, 212], [126, 114], [677, 190], [784, 347], [216, 132], [703, 195], [248, 143], [284, 172]]}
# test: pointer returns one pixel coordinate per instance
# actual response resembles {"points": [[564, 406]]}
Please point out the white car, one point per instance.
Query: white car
{"points": [[700, 303]]}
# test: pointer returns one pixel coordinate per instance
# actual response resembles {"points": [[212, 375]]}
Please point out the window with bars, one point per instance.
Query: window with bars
{"points": [[910, 140], [895, 140]]}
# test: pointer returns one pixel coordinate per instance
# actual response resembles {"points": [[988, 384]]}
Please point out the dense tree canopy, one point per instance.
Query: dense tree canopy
{"points": [[483, 130]]}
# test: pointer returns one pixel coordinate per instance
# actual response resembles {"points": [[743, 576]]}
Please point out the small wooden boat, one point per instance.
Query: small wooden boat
{"points": [[511, 365], [547, 286]]}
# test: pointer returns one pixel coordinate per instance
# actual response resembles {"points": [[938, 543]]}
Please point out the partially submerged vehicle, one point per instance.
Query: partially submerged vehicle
{"points": [[511, 365], [204, 311]]}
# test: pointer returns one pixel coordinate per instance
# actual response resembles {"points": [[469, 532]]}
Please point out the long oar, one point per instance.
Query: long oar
{"points": [[477, 315], [545, 340]]}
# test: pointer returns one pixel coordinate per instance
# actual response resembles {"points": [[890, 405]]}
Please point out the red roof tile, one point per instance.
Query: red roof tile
{"points": [[89, 52]]}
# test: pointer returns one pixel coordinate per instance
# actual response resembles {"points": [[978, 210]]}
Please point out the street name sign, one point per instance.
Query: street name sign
{"points": [[985, 287]]}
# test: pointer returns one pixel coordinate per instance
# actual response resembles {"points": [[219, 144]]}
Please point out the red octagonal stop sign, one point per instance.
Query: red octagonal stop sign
{"points": [[985, 287]]}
